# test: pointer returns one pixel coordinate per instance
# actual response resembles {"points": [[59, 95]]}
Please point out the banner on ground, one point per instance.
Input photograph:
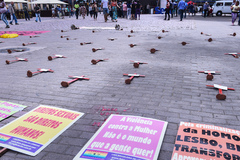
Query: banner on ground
{"points": [[23, 33], [33, 131], [125, 137], [7, 109], [206, 142]]}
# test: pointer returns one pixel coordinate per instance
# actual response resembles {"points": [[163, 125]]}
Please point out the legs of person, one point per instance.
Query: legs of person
{"points": [[239, 19], [185, 13], [11, 19], [181, 14], [39, 17], [15, 18], [36, 17], [4, 18], [234, 17]]}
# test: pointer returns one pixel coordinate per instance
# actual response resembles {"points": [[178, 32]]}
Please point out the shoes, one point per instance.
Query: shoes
{"points": [[17, 24], [11, 23], [35, 20], [7, 26], [164, 18]]}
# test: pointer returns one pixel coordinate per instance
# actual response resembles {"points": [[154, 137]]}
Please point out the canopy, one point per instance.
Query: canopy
{"points": [[47, 2], [16, 1]]}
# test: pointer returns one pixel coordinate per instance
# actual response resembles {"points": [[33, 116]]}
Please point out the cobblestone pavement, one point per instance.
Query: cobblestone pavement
{"points": [[172, 90]]}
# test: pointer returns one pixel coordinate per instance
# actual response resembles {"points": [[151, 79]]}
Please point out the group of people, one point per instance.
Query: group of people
{"points": [[130, 9]]}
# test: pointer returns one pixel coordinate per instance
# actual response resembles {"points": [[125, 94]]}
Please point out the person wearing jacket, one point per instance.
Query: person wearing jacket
{"points": [[12, 13], [181, 8]]}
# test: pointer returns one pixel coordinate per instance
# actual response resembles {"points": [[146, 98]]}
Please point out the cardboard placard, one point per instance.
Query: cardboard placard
{"points": [[33, 131], [220, 87], [206, 142], [125, 137], [7, 109]]}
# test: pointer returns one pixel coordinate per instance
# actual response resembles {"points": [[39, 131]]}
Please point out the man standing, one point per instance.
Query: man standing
{"points": [[76, 6], [25, 9], [12, 13], [181, 7], [37, 13], [205, 8], [3, 11], [104, 5]]}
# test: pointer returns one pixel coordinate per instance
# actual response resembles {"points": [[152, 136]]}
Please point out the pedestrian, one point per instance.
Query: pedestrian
{"points": [[235, 9], [172, 8], [148, 8], [167, 10], [133, 10], [53, 12], [129, 8], [3, 11], [25, 9], [76, 6], [37, 13], [125, 9], [90, 10], [138, 10], [104, 6], [205, 9], [12, 13], [95, 10], [83, 11], [181, 8], [114, 6]]}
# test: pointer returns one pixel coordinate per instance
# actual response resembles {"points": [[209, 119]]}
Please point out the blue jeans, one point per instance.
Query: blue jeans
{"points": [[129, 13], [181, 14], [13, 17], [38, 15], [4, 18]]}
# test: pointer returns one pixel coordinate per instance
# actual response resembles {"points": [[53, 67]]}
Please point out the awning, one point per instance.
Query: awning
{"points": [[47, 2]]}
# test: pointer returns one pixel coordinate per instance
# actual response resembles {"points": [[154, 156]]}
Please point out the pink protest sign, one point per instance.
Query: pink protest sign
{"points": [[125, 137], [23, 33]]}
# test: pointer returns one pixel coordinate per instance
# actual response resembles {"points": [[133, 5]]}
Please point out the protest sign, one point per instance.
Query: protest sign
{"points": [[206, 142], [33, 131], [7, 109], [125, 137]]}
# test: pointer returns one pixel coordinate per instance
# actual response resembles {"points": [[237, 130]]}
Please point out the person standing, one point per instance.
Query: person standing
{"points": [[133, 10], [167, 10], [83, 11], [95, 10], [129, 8], [37, 13], [148, 8], [12, 13], [104, 6], [235, 9], [25, 9], [181, 8], [138, 10], [205, 9], [3, 11], [114, 6], [124, 10], [76, 6]]}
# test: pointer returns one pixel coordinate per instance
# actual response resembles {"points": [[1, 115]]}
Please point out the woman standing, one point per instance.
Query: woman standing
{"points": [[3, 11], [138, 10], [114, 6], [235, 9]]}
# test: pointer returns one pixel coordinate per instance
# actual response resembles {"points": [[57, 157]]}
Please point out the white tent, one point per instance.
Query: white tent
{"points": [[47, 2], [16, 1]]}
